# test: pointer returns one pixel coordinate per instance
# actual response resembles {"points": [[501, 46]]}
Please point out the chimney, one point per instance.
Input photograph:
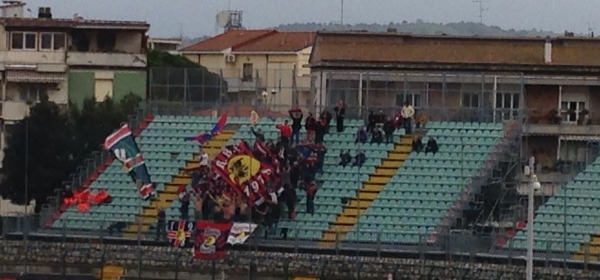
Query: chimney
{"points": [[548, 51]]}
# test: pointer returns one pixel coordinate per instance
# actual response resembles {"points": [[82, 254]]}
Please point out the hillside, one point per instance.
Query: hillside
{"points": [[420, 27]]}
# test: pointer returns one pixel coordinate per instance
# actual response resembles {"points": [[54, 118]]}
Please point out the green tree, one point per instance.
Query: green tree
{"points": [[36, 152], [52, 144], [170, 72]]}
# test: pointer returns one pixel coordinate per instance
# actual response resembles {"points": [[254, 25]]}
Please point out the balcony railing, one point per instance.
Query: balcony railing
{"points": [[243, 84], [14, 111], [16, 57], [106, 59]]}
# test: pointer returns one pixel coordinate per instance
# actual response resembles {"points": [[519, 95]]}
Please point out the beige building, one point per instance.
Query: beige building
{"points": [[259, 65], [66, 61], [170, 45]]}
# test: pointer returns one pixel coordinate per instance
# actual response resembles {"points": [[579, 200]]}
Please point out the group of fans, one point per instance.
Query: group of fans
{"points": [[296, 161]]}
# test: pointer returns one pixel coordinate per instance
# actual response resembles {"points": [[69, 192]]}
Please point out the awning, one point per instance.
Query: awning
{"points": [[24, 76], [584, 138]]}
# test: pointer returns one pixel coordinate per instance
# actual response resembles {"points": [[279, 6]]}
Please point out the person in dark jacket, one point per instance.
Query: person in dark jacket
{"points": [[296, 116], [327, 116], [376, 136], [310, 124], [311, 192], [432, 146], [359, 159], [340, 115], [371, 121], [361, 135], [321, 151], [345, 158], [417, 144], [388, 129], [161, 225], [320, 129], [260, 136]]}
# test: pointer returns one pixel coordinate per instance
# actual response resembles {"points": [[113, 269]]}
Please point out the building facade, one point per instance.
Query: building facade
{"points": [[259, 65], [552, 83], [170, 45], [67, 61]]}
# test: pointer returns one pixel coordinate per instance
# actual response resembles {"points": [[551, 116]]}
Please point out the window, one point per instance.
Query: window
{"points": [[32, 93], [247, 72], [23, 40], [52, 41], [413, 98], [470, 100], [507, 105], [569, 110]]}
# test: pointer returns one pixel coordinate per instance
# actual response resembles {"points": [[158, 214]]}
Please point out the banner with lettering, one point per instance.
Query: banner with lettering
{"points": [[243, 173]]}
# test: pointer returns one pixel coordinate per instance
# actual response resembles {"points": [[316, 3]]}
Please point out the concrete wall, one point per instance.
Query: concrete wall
{"points": [[129, 41], [162, 262], [82, 84]]}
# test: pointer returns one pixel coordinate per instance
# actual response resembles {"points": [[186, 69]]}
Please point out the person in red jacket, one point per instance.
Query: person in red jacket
{"points": [[285, 131]]}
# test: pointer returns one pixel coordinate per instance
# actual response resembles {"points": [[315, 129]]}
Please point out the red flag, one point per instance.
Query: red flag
{"points": [[211, 239]]}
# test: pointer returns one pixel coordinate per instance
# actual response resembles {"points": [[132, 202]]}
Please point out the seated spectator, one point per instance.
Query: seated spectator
{"points": [[371, 121], [345, 158], [361, 135], [376, 136], [359, 158], [420, 120], [398, 120], [388, 129], [417, 144], [432, 146]]}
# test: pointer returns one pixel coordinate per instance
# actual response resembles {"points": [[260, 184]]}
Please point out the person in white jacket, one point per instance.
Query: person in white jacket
{"points": [[407, 113]]}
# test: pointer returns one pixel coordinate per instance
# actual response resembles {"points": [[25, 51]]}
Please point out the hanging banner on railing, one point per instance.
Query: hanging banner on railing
{"points": [[180, 233], [125, 149], [212, 238]]}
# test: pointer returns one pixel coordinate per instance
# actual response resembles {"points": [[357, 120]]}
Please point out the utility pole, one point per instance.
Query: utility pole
{"points": [[481, 9], [590, 26]]}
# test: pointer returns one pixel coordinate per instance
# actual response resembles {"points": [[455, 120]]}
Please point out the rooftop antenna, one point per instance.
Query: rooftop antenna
{"points": [[342, 13], [590, 25], [481, 9]]}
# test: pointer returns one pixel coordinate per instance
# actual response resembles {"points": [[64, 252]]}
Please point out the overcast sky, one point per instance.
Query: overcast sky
{"points": [[197, 17]]}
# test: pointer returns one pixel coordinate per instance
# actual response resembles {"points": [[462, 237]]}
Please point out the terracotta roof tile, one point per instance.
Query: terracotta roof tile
{"points": [[279, 42], [227, 40]]}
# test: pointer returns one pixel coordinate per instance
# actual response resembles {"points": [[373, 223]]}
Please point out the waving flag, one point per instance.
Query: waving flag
{"points": [[206, 136], [254, 118], [123, 146]]}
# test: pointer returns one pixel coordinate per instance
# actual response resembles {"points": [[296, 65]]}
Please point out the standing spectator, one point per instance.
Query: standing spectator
{"points": [[361, 135], [311, 192], [289, 194], [381, 117], [372, 121], [327, 116], [359, 158], [321, 151], [345, 158], [311, 125], [198, 206], [161, 224], [203, 161], [258, 134], [340, 115], [388, 129], [296, 115], [184, 209], [407, 115], [376, 136], [432, 146], [295, 174], [417, 144], [320, 129], [285, 132]]}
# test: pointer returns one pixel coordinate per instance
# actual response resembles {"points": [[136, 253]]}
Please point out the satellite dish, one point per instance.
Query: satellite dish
{"points": [[223, 19]]}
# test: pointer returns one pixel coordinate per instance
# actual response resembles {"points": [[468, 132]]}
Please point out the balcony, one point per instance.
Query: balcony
{"points": [[44, 61], [106, 59], [243, 85], [561, 129], [14, 111]]}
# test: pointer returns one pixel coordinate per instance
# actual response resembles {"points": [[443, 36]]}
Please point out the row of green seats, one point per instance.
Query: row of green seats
{"points": [[467, 125]]}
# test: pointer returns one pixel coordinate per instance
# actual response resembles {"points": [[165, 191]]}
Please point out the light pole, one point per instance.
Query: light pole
{"points": [[533, 185]]}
